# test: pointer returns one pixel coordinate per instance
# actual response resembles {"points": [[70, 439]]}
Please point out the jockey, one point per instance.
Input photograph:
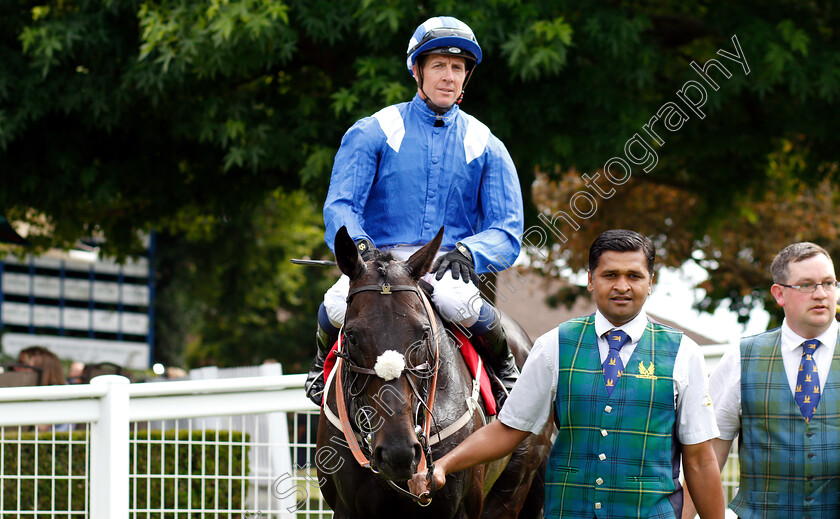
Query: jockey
{"points": [[413, 167]]}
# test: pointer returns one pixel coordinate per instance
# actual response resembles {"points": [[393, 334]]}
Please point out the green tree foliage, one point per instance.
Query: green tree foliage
{"points": [[187, 116], [232, 296]]}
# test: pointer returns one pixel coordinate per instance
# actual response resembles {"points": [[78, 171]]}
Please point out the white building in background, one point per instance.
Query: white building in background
{"points": [[80, 306]]}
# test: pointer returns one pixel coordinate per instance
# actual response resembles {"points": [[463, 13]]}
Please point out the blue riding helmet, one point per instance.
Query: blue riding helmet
{"points": [[446, 35]]}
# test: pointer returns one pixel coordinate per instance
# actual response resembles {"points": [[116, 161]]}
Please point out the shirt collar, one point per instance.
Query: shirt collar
{"points": [[791, 340], [428, 116], [634, 328]]}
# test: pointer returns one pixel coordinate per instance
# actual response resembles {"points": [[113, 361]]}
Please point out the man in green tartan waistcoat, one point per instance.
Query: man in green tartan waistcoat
{"points": [[629, 397], [780, 391]]}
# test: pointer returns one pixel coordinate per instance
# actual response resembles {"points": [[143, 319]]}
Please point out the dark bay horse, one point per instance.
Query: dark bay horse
{"points": [[401, 396]]}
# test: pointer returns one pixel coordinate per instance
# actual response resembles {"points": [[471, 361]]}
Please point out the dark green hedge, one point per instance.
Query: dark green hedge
{"points": [[197, 452], [188, 462], [20, 485]]}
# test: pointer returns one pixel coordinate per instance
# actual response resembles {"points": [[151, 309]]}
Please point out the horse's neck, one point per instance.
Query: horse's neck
{"points": [[448, 345], [453, 369]]}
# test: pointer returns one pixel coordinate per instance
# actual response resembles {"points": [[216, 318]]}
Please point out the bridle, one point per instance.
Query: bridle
{"points": [[423, 433]]}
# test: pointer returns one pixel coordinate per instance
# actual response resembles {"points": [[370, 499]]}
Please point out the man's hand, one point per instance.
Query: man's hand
{"points": [[419, 484], [492, 442], [460, 262]]}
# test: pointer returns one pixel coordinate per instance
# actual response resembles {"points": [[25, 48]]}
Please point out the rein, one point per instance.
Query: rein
{"points": [[423, 434]]}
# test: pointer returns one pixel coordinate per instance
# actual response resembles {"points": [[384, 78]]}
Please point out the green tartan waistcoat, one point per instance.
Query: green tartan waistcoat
{"points": [[789, 468], [617, 456]]}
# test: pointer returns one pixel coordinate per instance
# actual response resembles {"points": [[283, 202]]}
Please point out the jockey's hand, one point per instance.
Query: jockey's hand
{"points": [[366, 249], [459, 262]]}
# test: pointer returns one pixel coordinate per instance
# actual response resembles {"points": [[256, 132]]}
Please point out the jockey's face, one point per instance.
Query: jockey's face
{"points": [[620, 284], [443, 78]]}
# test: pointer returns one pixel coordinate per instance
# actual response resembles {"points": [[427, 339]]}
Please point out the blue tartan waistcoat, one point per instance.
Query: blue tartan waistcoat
{"points": [[617, 456], [789, 468]]}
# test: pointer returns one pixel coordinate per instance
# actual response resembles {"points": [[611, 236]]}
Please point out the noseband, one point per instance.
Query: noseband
{"points": [[422, 433]]}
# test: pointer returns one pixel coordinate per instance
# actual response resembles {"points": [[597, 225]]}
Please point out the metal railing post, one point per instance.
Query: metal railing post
{"points": [[109, 464]]}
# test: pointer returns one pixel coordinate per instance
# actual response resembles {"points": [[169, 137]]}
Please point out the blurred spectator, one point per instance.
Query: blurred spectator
{"points": [[52, 374], [92, 371], [175, 373], [74, 376]]}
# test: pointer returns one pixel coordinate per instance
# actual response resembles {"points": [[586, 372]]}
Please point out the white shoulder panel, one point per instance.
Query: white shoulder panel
{"points": [[475, 141], [392, 126]]}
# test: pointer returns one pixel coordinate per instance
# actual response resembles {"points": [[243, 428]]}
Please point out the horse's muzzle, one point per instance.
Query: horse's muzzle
{"points": [[397, 461]]}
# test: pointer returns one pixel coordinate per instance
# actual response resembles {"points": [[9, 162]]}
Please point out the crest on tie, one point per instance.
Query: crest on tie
{"points": [[612, 365], [807, 394], [647, 372]]}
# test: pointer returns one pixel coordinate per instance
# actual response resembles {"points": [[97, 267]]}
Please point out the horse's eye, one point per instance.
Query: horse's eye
{"points": [[350, 338]]}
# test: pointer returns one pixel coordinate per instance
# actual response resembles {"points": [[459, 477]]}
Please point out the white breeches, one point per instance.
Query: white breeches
{"points": [[455, 300]]}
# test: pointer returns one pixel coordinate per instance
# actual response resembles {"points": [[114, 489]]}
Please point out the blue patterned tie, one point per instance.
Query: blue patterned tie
{"points": [[613, 366], [808, 381]]}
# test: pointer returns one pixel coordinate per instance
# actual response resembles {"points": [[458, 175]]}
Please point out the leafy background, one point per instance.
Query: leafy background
{"points": [[214, 124]]}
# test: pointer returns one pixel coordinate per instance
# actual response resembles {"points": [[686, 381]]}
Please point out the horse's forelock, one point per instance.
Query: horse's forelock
{"points": [[385, 257], [391, 270]]}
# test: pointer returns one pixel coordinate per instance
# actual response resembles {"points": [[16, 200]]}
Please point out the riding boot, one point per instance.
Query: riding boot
{"points": [[315, 379], [501, 360]]}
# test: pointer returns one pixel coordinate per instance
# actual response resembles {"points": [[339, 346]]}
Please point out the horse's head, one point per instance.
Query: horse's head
{"points": [[389, 353]]}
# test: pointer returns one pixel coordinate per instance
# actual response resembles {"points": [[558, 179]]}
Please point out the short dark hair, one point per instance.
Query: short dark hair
{"points": [[793, 253], [621, 240]]}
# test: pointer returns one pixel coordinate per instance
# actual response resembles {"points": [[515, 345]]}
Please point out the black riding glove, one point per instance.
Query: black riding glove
{"points": [[366, 249], [460, 262]]}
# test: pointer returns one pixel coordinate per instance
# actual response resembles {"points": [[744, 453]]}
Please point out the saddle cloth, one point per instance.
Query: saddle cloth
{"points": [[470, 357]]}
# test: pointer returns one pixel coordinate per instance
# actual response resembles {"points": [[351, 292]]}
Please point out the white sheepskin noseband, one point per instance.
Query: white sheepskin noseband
{"points": [[389, 365]]}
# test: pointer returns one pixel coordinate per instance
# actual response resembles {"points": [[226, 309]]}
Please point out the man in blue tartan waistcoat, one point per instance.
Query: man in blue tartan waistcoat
{"points": [[629, 396], [780, 391]]}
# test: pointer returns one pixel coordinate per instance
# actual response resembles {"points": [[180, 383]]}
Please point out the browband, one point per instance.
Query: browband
{"points": [[384, 289]]}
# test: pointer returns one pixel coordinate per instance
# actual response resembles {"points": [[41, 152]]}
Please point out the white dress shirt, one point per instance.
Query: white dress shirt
{"points": [[531, 402], [726, 380]]}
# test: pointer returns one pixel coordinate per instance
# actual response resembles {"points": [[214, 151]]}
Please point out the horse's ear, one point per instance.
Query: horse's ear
{"points": [[421, 261], [347, 255]]}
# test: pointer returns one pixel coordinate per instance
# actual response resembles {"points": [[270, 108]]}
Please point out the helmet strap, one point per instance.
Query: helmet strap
{"points": [[440, 110], [464, 87]]}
